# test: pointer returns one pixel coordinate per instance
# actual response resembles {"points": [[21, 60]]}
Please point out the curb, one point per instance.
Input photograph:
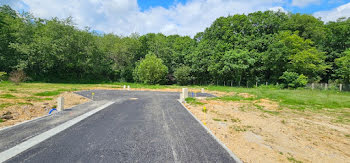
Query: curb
{"points": [[206, 128]]}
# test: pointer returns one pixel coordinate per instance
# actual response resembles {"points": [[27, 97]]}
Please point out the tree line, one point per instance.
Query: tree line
{"points": [[274, 47]]}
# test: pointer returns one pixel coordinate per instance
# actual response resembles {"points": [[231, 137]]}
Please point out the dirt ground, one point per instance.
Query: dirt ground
{"points": [[30, 109], [262, 131]]}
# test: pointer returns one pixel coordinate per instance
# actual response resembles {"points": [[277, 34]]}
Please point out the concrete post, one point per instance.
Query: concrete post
{"points": [[326, 86], [231, 83], [128, 87], [184, 93], [124, 87], [266, 83], [341, 87], [313, 86], [202, 90], [256, 84], [182, 98], [60, 104], [224, 83]]}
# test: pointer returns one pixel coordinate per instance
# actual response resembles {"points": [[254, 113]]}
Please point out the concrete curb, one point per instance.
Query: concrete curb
{"points": [[206, 128]]}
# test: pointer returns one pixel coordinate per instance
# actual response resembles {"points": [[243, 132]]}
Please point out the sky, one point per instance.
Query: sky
{"points": [[183, 17]]}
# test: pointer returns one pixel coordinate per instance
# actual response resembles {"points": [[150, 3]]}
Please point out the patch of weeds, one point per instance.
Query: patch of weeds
{"points": [[5, 105], [215, 119], [7, 96], [292, 159], [68, 90], [266, 111], [281, 153], [48, 93], [283, 121], [37, 99], [341, 119], [235, 120], [225, 120], [233, 98], [347, 135], [13, 90], [193, 101], [238, 128], [25, 103], [1, 120]]}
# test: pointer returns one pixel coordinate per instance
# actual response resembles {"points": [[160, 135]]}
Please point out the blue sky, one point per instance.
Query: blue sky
{"points": [[184, 17]]}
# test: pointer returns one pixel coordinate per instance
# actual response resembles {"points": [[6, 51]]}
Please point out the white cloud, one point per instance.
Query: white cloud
{"points": [[303, 3], [278, 9], [334, 14], [125, 17]]}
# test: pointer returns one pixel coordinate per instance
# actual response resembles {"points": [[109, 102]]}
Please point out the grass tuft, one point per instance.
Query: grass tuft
{"points": [[193, 101], [48, 93], [7, 96]]}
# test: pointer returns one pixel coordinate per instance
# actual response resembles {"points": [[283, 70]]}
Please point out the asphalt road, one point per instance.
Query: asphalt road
{"points": [[146, 127]]}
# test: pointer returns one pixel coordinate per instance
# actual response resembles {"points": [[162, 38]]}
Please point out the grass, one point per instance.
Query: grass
{"points": [[292, 159], [193, 101], [48, 93], [218, 120], [1, 120], [5, 105], [7, 96], [295, 99]]}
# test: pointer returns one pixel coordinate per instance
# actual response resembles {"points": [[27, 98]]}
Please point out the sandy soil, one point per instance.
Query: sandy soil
{"points": [[29, 109], [261, 131]]}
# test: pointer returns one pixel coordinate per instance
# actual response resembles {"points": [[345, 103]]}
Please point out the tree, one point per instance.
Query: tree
{"points": [[343, 64], [150, 70], [293, 80], [183, 75]]}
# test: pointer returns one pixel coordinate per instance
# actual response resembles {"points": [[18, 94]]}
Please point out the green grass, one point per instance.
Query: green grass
{"points": [[193, 101], [291, 159], [7, 96], [218, 120], [5, 105], [48, 93], [296, 99], [1, 120]]}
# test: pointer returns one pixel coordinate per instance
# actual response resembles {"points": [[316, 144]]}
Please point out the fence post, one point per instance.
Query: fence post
{"points": [[231, 83], [60, 104], [128, 87], [202, 90], [256, 84], [341, 87], [124, 87], [224, 83], [313, 86], [326, 86], [266, 83]]}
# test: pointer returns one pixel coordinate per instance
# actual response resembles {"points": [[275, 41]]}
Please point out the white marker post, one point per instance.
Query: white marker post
{"points": [[182, 98], [60, 104], [124, 87], [128, 87], [184, 93], [341, 87], [202, 90]]}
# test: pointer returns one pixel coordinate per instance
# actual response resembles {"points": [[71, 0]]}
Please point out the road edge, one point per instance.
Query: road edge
{"points": [[208, 130], [12, 152]]}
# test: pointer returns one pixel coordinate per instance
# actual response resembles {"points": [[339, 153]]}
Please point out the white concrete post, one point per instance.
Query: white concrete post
{"points": [[182, 98], [341, 87], [313, 86], [60, 104], [266, 83], [128, 87], [256, 84], [184, 93], [124, 87], [326, 86], [202, 90]]}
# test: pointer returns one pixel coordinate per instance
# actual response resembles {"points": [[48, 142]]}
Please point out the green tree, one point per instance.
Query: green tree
{"points": [[151, 70], [293, 80], [343, 63], [183, 75]]}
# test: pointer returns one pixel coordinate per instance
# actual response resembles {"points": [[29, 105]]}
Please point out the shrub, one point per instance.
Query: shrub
{"points": [[2, 75], [183, 75], [293, 80], [150, 70], [18, 76]]}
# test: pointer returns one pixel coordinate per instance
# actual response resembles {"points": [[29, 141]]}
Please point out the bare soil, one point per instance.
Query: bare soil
{"points": [[262, 131], [27, 109]]}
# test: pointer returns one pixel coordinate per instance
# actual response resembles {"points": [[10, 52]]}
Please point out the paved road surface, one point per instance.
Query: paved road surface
{"points": [[143, 127]]}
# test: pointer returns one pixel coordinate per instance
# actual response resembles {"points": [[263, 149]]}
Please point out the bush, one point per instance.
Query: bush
{"points": [[151, 70], [2, 75], [18, 76], [183, 75], [293, 80]]}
